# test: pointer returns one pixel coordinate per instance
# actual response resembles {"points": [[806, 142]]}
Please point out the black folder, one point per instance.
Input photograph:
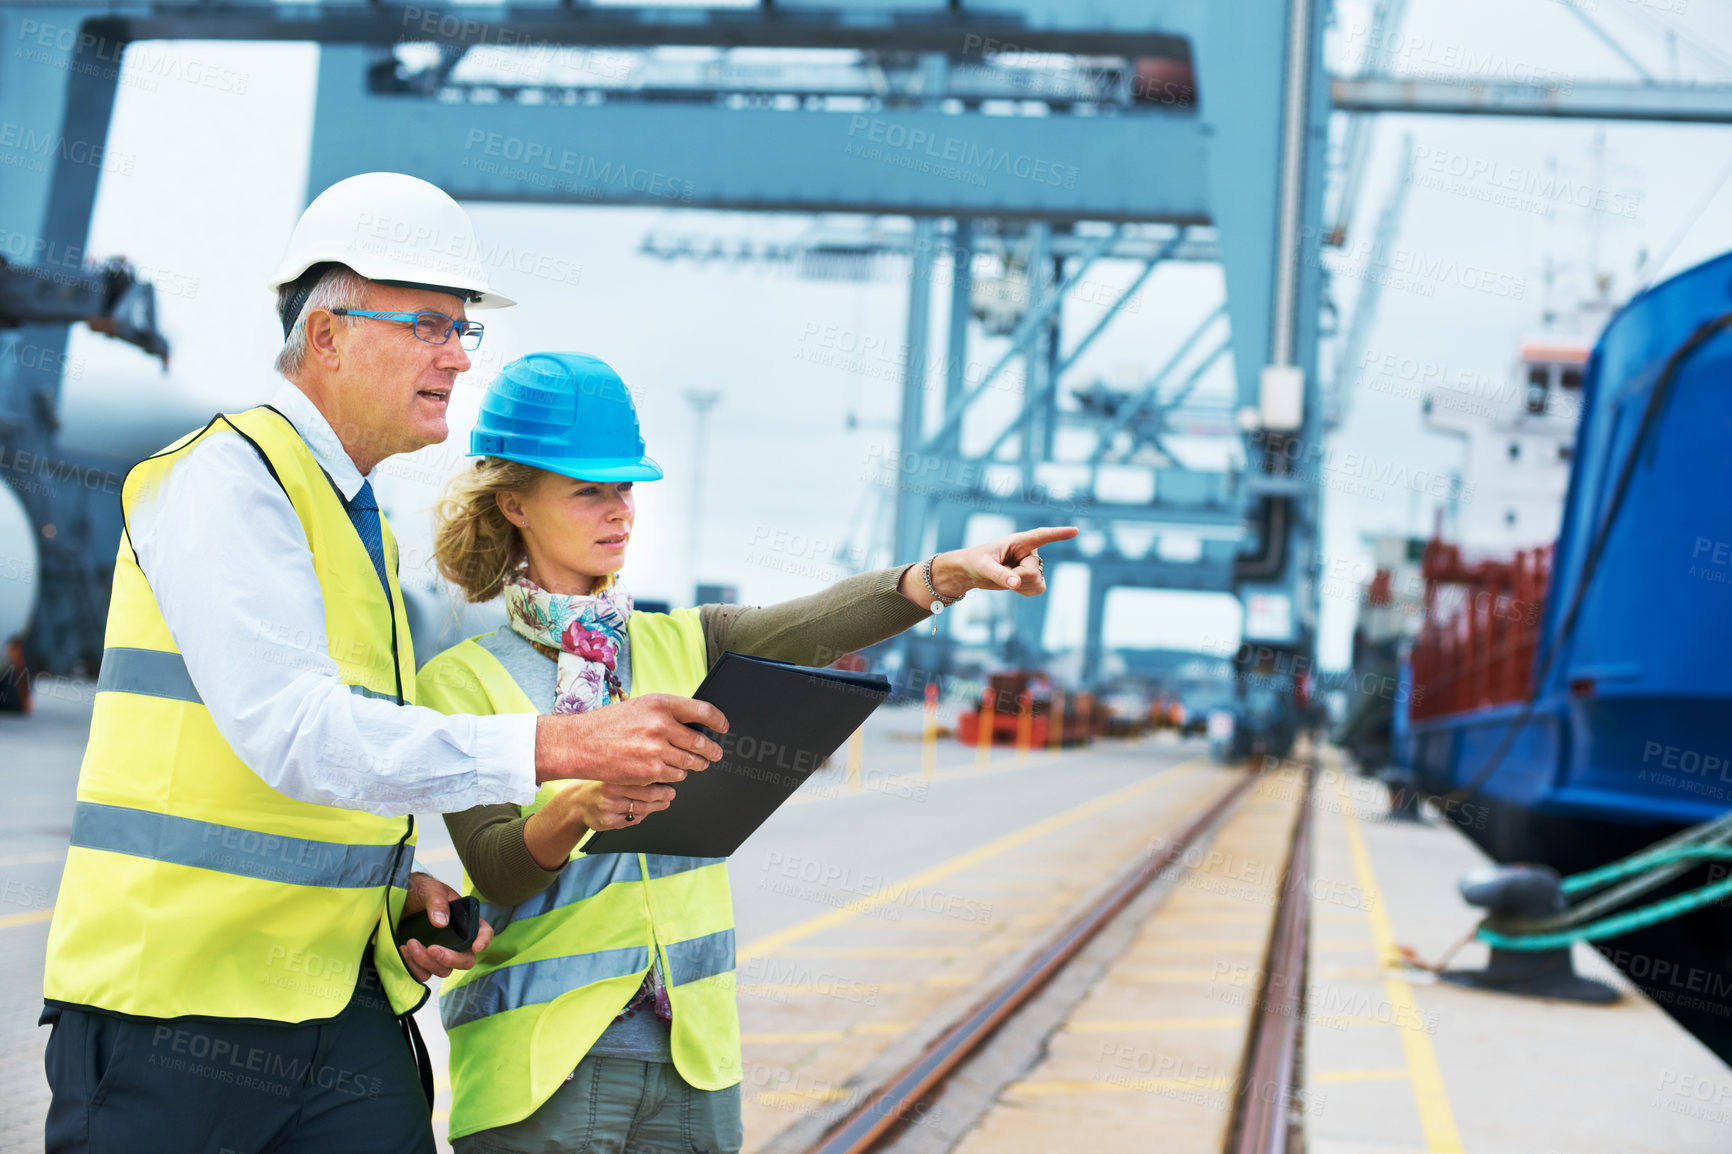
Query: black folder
{"points": [[784, 720]]}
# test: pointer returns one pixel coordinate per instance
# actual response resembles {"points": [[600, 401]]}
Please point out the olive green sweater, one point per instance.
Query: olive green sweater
{"points": [[815, 630]]}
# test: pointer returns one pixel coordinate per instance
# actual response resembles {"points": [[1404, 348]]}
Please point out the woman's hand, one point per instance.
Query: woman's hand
{"points": [[603, 805], [553, 830], [1008, 563]]}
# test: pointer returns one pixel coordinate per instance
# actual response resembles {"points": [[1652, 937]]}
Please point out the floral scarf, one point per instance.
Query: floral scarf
{"points": [[588, 633]]}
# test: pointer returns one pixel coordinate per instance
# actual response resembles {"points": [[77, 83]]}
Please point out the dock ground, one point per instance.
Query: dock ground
{"points": [[883, 902]]}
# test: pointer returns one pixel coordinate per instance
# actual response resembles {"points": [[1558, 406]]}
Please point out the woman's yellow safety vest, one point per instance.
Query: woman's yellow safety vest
{"points": [[192, 888], [564, 963]]}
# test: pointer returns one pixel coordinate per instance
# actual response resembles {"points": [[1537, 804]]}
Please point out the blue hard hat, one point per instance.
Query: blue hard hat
{"points": [[568, 413]]}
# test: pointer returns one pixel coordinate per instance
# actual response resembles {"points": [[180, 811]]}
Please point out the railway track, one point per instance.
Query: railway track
{"points": [[1262, 1118]]}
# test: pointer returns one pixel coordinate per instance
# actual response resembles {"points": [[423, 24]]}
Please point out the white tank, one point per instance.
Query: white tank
{"points": [[18, 567]]}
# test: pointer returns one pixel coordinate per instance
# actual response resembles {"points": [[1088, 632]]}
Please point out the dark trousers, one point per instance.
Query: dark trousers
{"points": [[194, 1086]]}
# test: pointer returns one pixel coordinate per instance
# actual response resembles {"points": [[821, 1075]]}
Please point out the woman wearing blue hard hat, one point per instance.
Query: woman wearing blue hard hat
{"points": [[603, 1016]]}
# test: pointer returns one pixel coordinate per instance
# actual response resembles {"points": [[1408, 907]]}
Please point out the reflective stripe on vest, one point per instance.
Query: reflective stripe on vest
{"points": [[580, 880], [584, 878], [697, 958], [149, 672], [531, 983], [230, 849]]}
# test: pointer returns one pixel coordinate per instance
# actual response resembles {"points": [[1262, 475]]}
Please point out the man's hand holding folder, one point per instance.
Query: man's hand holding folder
{"points": [[641, 741]]}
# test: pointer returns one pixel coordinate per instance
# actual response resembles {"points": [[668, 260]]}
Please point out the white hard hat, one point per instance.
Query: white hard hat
{"points": [[391, 228]]}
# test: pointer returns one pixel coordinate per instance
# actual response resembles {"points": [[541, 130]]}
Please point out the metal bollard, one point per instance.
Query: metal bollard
{"points": [[1024, 725], [929, 736], [1055, 721], [856, 754], [983, 732]]}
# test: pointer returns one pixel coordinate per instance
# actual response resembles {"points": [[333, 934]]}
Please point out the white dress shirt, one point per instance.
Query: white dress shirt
{"points": [[232, 572]]}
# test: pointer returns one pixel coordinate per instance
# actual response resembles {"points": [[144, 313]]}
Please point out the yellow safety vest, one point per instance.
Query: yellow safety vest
{"points": [[564, 963], [192, 888]]}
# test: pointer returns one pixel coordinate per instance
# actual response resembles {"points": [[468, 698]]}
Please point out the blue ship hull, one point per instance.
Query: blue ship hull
{"points": [[1629, 738], [1632, 721]]}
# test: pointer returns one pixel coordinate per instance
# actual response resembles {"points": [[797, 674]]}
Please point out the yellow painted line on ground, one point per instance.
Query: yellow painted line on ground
{"points": [[26, 919], [1033, 921], [1343, 943], [953, 979], [1332, 1077], [829, 788], [1436, 1118], [788, 1097], [1116, 1086], [42, 858], [1337, 1021], [1142, 1025], [833, 918]]}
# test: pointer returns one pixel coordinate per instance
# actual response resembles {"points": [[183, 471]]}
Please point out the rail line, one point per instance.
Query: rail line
{"points": [[1262, 1122]]}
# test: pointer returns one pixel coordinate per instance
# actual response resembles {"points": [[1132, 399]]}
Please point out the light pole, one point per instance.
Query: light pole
{"points": [[701, 401]]}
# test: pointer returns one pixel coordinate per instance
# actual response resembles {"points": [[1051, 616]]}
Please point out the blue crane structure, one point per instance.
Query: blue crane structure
{"points": [[1196, 116], [1183, 130]]}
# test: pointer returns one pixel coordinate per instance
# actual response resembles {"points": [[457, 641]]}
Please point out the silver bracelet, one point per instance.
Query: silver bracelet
{"points": [[938, 602]]}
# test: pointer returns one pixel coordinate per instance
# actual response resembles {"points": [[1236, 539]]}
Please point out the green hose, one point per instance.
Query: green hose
{"points": [[1624, 923]]}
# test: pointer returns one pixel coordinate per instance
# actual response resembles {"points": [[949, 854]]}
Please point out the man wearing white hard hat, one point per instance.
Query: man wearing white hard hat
{"points": [[224, 968]]}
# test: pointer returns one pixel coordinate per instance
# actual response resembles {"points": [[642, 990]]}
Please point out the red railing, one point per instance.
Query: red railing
{"points": [[1482, 623]]}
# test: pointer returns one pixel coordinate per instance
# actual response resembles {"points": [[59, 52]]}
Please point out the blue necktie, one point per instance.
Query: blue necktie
{"points": [[364, 512]]}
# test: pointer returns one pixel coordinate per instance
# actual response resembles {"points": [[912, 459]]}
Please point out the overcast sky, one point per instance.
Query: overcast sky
{"points": [[215, 180]]}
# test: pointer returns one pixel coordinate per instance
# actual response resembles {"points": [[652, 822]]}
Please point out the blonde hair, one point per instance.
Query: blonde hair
{"points": [[475, 547]]}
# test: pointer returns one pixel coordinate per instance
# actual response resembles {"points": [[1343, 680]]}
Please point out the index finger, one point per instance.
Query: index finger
{"points": [[691, 711], [1035, 538]]}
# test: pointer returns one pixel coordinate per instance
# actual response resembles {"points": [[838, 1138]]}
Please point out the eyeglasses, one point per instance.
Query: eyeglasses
{"points": [[434, 328]]}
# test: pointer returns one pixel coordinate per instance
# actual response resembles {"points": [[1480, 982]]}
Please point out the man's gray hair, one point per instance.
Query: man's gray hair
{"points": [[340, 288]]}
